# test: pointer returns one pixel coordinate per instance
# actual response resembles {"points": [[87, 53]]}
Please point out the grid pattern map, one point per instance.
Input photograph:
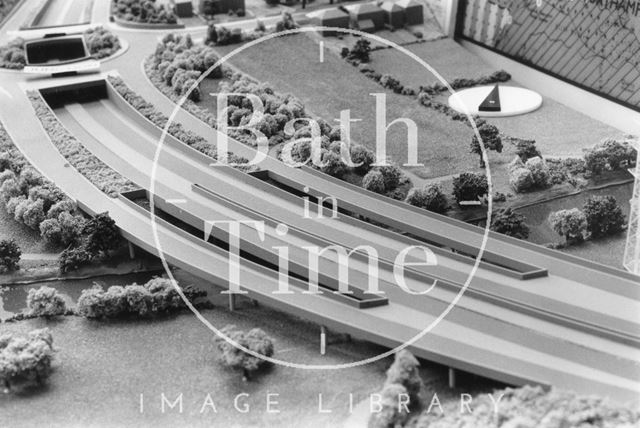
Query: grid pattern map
{"points": [[593, 43]]}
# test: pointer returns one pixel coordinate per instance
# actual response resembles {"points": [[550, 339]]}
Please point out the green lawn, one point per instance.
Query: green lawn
{"points": [[102, 367], [291, 64], [557, 129]]}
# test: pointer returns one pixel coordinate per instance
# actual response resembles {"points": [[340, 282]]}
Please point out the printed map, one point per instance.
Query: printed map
{"points": [[594, 43]]}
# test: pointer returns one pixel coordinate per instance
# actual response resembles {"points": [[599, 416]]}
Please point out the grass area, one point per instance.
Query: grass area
{"points": [[557, 129], [102, 367], [27, 239], [291, 64], [608, 251]]}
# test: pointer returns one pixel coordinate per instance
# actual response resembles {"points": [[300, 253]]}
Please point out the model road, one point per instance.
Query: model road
{"points": [[487, 337], [61, 13], [574, 326]]}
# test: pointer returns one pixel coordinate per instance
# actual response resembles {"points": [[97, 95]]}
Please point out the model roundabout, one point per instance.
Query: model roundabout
{"points": [[136, 216]]}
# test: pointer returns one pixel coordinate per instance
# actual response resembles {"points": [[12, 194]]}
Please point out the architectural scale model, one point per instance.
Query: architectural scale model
{"points": [[257, 212]]}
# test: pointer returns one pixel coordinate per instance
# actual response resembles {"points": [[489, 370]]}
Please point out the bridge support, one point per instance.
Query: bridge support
{"points": [[452, 378], [323, 339], [232, 302], [132, 251]]}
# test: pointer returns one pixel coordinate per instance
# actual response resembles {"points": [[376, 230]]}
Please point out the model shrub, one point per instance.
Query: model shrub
{"points": [[155, 297], [46, 302], [526, 149], [101, 42], [510, 223], [390, 82], [143, 11], [374, 182], [62, 230], [360, 51], [392, 176], [572, 224], [9, 256], [430, 198], [391, 415], [74, 258], [405, 371], [539, 172], [469, 186], [604, 216], [25, 361], [255, 340], [363, 156], [534, 407], [286, 22], [332, 164], [491, 139], [609, 155], [12, 55]]}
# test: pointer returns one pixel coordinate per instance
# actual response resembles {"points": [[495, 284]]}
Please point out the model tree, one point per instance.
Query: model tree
{"points": [[510, 223], [255, 340], [9, 256], [46, 302], [430, 198], [572, 224], [405, 371], [470, 187], [27, 360], [101, 234], [604, 216], [491, 139]]}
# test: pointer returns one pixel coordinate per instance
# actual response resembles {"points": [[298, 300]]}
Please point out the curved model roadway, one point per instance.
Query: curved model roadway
{"points": [[576, 327]]}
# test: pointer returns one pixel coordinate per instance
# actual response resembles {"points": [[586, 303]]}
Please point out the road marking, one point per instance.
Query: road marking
{"points": [[323, 342], [470, 203], [321, 51], [6, 93]]}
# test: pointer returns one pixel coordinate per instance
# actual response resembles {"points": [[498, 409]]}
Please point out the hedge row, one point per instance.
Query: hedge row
{"points": [[34, 201], [143, 11], [97, 172], [175, 129], [181, 63], [155, 297], [101, 43]]}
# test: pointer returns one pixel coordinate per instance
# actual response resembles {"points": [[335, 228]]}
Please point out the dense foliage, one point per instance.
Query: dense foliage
{"points": [[430, 198], [96, 171], [360, 52], [403, 379], [609, 155], [535, 174], [534, 407], [25, 361], [160, 120], [101, 42], [143, 11], [180, 63], [510, 223], [604, 216], [12, 55], [9, 256], [98, 238], [572, 224], [45, 302], [255, 340], [157, 296], [469, 186]]}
